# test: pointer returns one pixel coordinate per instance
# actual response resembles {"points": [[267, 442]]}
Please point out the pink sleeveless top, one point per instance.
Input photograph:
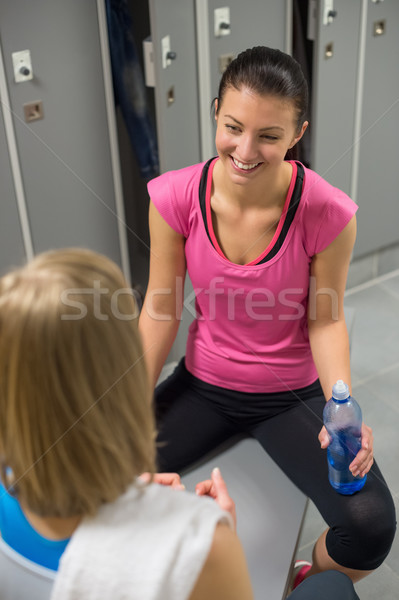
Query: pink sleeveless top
{"points": [[250, 332]]}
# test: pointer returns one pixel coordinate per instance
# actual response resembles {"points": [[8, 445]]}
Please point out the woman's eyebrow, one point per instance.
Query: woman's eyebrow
{"points": [[262, 129]]}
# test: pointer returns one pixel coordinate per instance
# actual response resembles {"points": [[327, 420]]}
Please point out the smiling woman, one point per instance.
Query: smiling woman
{"points": [[253, 219]]}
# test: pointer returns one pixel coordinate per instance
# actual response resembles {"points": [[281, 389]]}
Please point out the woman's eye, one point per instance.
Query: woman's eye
{"points": [[271, 138], [232, 128]]}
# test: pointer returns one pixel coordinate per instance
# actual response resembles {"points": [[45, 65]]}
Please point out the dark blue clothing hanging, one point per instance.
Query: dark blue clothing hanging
{"points": [[129, 89]]}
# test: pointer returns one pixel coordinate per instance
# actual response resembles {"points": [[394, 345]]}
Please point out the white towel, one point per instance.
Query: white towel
{"points": [[151, 544]]}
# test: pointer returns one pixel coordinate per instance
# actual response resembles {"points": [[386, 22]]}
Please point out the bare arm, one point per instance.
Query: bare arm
{"points": [[328, 335], [160, 316], [327, 329], [225, 573]]}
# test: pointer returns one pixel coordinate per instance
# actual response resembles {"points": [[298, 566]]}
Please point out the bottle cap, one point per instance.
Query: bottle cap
{"points": [[340, 390]]}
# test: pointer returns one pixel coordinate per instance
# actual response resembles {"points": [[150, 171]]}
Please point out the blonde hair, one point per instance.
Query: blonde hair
{"points": [[76, 422]]}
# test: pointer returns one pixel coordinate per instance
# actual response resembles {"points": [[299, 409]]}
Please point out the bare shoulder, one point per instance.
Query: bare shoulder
{"points": [[334, 260], [225, 573], [159, 226], [344, 241], [167, 258]]}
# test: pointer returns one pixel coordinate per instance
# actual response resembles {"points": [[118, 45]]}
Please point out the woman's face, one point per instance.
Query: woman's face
{"points": [[254, 133]]}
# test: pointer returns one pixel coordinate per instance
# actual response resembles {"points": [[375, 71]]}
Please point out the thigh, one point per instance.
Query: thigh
{"points": [[291, 439], [188, 425]]}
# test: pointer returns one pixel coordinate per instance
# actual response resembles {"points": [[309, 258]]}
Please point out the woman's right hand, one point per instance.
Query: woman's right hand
{"points": [[216, 488]]}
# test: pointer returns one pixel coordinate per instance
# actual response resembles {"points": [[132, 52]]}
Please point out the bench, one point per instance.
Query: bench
{"points": [[270, 511]]}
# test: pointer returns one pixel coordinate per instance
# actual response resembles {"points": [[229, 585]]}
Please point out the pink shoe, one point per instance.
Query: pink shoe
{"points": [[301, 567]]}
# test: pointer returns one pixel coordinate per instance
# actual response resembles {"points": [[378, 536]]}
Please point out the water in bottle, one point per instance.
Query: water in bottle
{"points": [[343, 420]]}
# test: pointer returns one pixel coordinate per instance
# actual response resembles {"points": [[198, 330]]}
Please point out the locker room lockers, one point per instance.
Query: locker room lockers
{"points": [[64, 159], [185, 88], [377, 185], [354, 124], [355, 120]]}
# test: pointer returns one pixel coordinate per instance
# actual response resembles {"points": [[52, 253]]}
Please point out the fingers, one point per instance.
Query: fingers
{"points": [[205, 488], [216, 488], [364, 460], [324, 438], [222, 495], [362, 464], [169, 479]]}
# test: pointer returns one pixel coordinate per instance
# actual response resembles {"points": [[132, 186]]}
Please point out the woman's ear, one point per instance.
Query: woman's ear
{"points": [[216, 105], [298, 137]]}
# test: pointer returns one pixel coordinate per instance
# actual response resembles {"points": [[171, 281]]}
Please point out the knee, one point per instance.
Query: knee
{"points": [[365, 541], [375, 540]]}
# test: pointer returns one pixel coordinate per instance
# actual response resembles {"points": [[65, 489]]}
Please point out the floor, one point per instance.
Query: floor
{"points": [[375, 384]]}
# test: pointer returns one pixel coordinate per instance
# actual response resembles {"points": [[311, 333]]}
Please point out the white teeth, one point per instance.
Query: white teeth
{"points": [[245, 167]]}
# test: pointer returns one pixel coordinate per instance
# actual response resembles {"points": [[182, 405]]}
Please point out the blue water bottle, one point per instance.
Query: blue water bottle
{"points": [[343, 420]]}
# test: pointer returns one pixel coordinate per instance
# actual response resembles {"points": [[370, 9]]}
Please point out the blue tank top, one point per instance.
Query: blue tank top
{"points": [[18, 533]]}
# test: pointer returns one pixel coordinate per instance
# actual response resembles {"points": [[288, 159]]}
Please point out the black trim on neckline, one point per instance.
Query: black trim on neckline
{"points": [[291, 211]]}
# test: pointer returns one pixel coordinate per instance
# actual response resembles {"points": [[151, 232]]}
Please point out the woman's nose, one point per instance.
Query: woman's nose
{"points": [[247, 149]]}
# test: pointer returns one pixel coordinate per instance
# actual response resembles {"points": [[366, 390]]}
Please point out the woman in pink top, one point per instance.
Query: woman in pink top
{"points": [[267, 245]]}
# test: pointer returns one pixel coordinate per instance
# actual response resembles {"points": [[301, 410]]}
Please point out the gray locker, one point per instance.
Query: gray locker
{"points": [[257, 23], [177, 105], [176, 89], [12, 251], [65, 158], [355, 120], [187, 84], [378, 173], [254, 23], [335, 68]]}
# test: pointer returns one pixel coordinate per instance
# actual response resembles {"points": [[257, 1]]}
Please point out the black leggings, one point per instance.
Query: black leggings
{"points": [[195, 417]]}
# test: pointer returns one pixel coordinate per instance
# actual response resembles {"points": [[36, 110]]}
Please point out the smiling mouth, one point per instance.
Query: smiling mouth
{"points": [[244, 166]]}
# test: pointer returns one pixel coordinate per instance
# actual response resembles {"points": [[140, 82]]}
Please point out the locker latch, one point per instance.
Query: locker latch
{"points": [[379, 27], [329, 13]]}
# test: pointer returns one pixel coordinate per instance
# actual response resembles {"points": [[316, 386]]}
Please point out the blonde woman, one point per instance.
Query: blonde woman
{"points": [[76, 430]]}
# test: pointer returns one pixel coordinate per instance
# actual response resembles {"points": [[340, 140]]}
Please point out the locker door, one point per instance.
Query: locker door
{"points": [[176, 89], [335, 71], [260, 24], [65, 157], [378, 173], [12, 252], [176, 103]]}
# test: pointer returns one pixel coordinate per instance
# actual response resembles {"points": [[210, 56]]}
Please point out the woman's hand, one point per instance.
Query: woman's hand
{"points": [[169, 479], [363, 460], [216, 488]]}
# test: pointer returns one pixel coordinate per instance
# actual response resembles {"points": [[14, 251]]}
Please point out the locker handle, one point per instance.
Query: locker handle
{"points": [[171, 55]]}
